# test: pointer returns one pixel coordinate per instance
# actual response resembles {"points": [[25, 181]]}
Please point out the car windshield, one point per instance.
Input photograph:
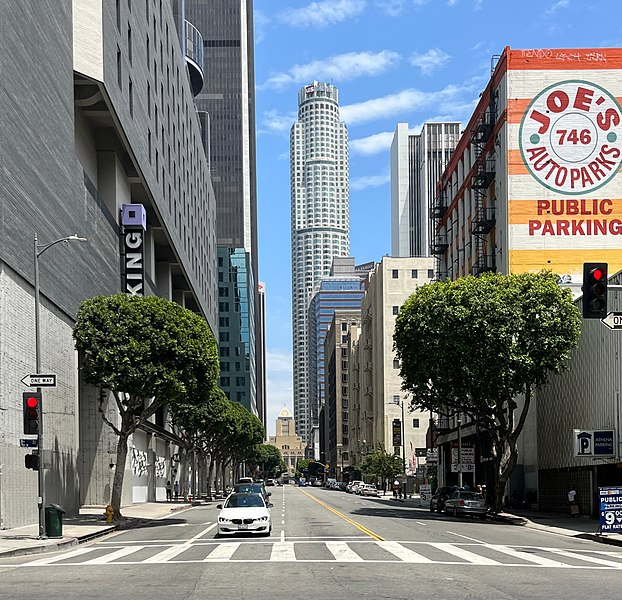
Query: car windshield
{"points": [[244, 500], [246, 488], [471, 496]]}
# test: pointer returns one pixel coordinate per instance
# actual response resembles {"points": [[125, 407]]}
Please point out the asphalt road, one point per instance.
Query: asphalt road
{"points": [[324, 544]]}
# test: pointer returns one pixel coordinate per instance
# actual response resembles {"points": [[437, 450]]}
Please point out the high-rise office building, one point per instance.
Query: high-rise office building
{"points": [[319, 217], [331, 294], [417, 162], [227, 110]]}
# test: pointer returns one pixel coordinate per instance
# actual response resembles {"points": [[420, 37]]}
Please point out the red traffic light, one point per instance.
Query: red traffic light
{"points": [[32, 402], [598, 274]]}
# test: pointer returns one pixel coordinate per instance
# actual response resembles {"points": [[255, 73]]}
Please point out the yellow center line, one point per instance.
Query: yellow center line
{"points": [[360, 527]]}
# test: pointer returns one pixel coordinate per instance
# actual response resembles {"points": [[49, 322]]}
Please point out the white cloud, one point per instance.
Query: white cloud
{"points": [[260, 24], [276, 123], [369, 181], [451, 100], [452, 2], [343, 67], [373, 144], [323, 13], [430, 61], [279, 361], [393, 8], [555, 7], [420, 2], [478, 5]]}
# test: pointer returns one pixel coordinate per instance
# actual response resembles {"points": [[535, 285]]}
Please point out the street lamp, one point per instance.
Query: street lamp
{"points": [[397, 400], [38, 250], [459, 453]]}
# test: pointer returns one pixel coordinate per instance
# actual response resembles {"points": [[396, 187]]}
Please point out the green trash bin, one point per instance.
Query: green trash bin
{"points": [[54, 521]]}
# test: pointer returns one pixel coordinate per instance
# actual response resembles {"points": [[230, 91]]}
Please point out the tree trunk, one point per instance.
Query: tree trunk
{"points": [[210, 473], [119, 474]]}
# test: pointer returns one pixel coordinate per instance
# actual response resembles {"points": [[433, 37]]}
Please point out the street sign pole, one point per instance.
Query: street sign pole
{"points": [[40, 472]]}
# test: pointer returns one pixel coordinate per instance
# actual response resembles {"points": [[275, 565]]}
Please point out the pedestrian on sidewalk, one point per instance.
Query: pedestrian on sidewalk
{"points": [[176, 490], [396, 488], [169, 491], [573, 502]]}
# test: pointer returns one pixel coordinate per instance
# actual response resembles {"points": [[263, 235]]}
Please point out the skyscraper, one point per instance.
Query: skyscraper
{"points": [[319, 217], [226, 107], [417, 162]]}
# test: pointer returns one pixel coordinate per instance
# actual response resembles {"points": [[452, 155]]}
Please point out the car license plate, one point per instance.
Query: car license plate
{"points": [[243, 526]]}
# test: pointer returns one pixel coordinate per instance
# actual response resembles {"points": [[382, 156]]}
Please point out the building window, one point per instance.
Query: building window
{"points": [[118, 9], [344, 327], [224, 366], [396, 363], [396, 399], [224, 336], [394, 273], [129, 43], [430, 273], [119, 70], [130, 94], [225, 381], [414, 274], [416, 423], [396, 310]]}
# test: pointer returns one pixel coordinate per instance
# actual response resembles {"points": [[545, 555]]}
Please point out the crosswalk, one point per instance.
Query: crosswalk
{"points": [[334, 551]]}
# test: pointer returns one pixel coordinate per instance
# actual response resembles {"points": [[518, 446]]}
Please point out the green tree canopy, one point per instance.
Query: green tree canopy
{"points": [[382, 464], [268, 458], [473, 345], [148, 352]]}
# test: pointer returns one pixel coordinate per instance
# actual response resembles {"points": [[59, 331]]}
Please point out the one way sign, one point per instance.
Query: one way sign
{"points": [[613, 320], [37, 380]]}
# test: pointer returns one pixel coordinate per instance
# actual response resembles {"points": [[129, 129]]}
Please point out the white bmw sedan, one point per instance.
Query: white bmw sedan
{"points": [[244, 513]]}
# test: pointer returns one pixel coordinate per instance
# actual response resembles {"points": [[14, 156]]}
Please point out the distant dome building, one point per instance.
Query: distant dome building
{"points": [[291, 445]]}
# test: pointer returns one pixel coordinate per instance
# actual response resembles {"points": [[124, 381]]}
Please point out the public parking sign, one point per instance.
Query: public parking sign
{"points": [[610, 509]]}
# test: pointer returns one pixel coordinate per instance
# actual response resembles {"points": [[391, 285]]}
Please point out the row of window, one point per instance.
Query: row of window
{"points": [[414, 273]]}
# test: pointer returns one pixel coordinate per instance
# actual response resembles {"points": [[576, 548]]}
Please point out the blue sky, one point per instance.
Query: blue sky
{"points": [[394, 61]]}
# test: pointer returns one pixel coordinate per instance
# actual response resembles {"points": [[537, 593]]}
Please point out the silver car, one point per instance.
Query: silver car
{"points": [[462, 502]]}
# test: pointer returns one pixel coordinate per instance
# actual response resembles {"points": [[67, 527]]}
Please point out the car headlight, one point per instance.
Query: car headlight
{"points": [[223, 520], [263, 518]]}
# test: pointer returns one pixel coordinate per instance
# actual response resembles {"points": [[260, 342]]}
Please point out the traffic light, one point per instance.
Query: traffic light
{"points": [[32, 461], [32, 412], [594, 290]]}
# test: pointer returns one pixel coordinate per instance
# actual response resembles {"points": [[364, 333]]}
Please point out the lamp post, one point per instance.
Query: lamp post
{"points": [[38, 250], [459, 453]]}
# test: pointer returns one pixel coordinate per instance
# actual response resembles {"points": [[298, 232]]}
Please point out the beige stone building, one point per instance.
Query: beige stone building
{"points": [[374, 387], [291, 445]]}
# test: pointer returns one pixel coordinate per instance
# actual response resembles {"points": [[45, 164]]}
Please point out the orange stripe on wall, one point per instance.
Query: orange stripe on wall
{"points": [[563, 261], [516, 166], [565, 59], [520, 212]]}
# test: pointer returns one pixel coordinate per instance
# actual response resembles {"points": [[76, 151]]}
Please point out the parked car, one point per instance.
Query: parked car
{"points": [[270, 483], [245, 480], [244, 513], [352, 486], [437, 502], [368, 489], [462, 502]]}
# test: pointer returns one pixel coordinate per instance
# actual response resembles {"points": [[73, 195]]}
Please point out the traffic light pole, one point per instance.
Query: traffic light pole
{"points": [[40, 472]]}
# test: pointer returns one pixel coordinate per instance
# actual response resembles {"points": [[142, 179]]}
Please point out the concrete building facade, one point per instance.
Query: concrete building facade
{"points": [[417, 162], [99, 116], [375, 394], [319, 218]]}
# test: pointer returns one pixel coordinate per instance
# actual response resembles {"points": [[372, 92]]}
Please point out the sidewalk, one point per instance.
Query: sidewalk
{"points": [[562, 524], [89, 524]]}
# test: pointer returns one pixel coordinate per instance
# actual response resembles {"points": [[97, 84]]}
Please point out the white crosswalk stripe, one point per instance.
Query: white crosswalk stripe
{"points": [[334, 551]]}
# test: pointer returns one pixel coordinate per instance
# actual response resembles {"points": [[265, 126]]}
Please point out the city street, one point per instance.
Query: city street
{"points": [[323, 544]]}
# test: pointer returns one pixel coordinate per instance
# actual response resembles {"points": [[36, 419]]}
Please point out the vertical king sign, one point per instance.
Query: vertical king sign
{"points": [[565, 155]]}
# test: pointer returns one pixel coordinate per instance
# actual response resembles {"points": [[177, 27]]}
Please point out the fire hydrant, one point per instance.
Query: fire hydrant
{"points": [[109, 512]]}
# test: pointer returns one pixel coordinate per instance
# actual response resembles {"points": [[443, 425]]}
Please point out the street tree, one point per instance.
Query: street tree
{"points": [[146, 352], [268, 459], [476, 346], [302, 465], [380, 464]]}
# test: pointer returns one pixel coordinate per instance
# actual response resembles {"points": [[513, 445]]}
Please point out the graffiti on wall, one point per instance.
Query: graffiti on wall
{"points": [[160, 467], [139, 462]]}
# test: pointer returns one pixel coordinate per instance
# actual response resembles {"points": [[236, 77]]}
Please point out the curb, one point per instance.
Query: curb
{"points": [[52, 547]]}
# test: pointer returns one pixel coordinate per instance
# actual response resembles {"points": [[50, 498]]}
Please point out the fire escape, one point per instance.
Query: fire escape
{"points": [[483, 221], [440, 242]]}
